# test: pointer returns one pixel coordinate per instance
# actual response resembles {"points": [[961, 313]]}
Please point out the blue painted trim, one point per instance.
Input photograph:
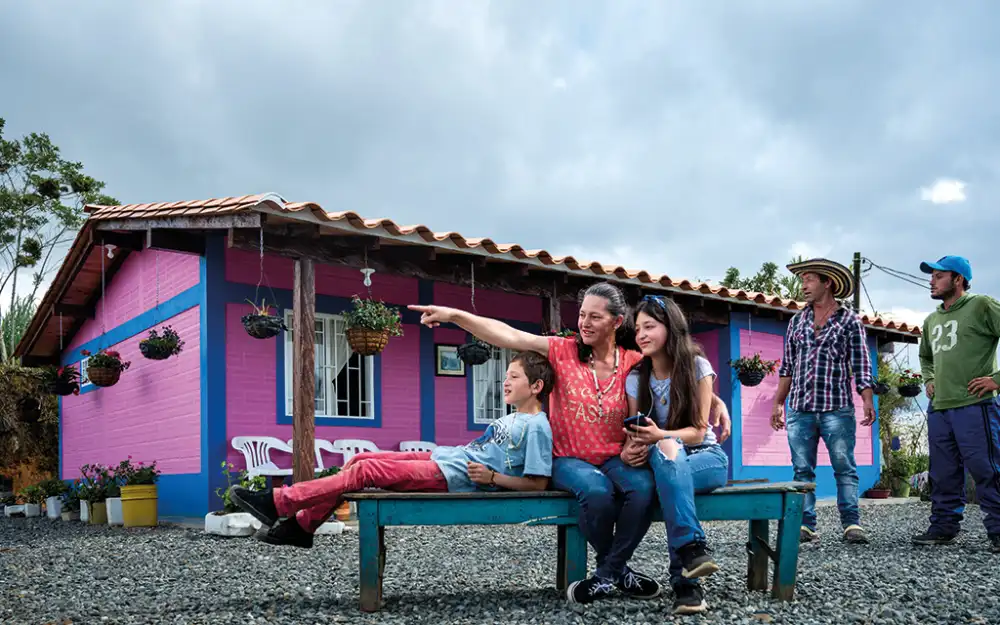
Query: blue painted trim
{"points": [[214, 443], [741, 321], [726, 390], [185, 495], [736, 408], [282, 298], [428, 405], [877, 426], [140, 323], [60, 409]]}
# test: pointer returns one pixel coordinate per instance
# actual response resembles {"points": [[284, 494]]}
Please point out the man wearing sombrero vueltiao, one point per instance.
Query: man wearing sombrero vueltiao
{"points": [[824, 344]]}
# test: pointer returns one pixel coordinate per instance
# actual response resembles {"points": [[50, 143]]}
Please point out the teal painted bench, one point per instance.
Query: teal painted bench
{"points": [[757, 503]]}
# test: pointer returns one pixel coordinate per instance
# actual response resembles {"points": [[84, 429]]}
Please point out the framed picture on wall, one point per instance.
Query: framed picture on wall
{"points": [[447, 361]]}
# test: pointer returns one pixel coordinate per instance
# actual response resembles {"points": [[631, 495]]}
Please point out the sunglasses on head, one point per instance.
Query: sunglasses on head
{"points": [[658, 299]]}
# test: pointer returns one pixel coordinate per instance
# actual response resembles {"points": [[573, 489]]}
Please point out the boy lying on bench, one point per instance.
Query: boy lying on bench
{"points": [[514, 453]]}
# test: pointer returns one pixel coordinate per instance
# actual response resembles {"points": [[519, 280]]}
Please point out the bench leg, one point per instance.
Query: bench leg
{"points": [[758, 560], [371, 556], [787, 549], [572, 564]]}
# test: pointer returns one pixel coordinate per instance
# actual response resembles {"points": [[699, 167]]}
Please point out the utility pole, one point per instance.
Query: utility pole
{"points": [[857, 282]]}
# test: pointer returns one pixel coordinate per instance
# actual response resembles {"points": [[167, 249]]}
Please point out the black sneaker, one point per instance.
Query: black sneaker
{"points": [[689, 599], [995, 543], [807, 535], [933, 537], [638, 586], [590, 589], [258, 503], [286, 532], [696, 561]]}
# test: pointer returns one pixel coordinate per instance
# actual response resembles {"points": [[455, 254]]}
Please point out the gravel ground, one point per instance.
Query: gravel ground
{"points": [[56, 572]]}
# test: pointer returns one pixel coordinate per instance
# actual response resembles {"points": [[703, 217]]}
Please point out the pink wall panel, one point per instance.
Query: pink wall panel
{"points": [[570, 313], [132, 291], [497, 304], [251, 392], [709, 342], [762, 446], [244, 267], [451, 408], [153, 413]]}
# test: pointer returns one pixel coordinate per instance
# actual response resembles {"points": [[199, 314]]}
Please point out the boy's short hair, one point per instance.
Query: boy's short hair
{"points": [[536, 367]]}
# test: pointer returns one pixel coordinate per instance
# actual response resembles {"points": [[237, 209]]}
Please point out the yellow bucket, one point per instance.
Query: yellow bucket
{"points": [[139, 505], [98, 513]]}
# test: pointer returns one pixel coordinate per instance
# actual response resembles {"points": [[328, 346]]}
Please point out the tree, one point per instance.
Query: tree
{"points": [[766, 280], [42, 196]]}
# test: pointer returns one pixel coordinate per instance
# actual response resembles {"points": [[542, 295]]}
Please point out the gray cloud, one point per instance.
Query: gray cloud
{"points": [[678, 137]]}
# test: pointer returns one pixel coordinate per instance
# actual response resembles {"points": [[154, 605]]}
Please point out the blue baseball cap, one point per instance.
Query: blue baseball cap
{"points": [[958, 264]]}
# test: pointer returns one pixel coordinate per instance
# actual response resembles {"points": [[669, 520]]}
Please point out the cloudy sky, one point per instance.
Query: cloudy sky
{"points": [[679, 137]]}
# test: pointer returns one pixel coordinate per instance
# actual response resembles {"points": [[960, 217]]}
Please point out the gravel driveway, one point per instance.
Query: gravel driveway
{"points": [[54, 572]]}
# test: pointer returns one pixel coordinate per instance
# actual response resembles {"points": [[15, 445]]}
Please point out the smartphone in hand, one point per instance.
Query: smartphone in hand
{"points": [[633, 421]]}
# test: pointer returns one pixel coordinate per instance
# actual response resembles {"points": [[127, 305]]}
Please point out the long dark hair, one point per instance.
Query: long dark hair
{"points": [[681, 352], [625, 334]]}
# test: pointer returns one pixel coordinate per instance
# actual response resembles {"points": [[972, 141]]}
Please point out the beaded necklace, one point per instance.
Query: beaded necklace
{"points": [[597, 384]]}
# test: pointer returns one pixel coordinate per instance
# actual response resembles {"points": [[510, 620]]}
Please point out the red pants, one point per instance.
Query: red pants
{"points": [[313, 502]]}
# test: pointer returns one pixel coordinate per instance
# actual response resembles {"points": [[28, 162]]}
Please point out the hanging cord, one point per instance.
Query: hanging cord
{"points": [[368, 273], [104, 296], [60, 333], [473, 280], [156, 317], [262, 278]]}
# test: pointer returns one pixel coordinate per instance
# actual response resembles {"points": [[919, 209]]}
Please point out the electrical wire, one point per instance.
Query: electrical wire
{"points": [[899, 275]]}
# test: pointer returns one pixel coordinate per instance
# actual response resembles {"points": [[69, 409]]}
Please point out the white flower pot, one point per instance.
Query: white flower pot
{"points": [[85, 511], [53, 507], [32, 509], [17, 509], [70, 516], [115, 514], [232, 524]]}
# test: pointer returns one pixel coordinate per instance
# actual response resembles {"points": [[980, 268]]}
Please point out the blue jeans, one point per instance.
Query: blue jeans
{"points": [[677, 482], [615, 507], [960, 439], [837, 428]]}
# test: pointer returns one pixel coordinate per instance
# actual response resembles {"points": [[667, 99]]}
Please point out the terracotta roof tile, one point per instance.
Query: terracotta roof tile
{"points": [[229, 205]]}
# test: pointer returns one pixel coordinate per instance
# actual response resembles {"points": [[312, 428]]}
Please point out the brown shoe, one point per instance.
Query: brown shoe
{"points": [[854, 534], [807, 535]]}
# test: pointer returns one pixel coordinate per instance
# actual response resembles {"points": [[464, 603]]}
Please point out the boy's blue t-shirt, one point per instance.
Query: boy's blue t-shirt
{"points": [[516, 444], [660, 390]]}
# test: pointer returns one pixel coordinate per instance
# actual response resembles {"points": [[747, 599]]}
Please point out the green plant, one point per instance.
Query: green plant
{"points": [[257, 482], [97, 483], [71, 498], [327, 472], [373, 315], [565, 333], [263, 310], [53, 487], [128, 474], [105, 359], [169, 343], [32, 494], [754, 363], [908, 376]]}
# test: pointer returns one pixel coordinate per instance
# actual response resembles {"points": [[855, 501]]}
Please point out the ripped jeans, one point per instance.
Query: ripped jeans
{"points": [[677, 482]]}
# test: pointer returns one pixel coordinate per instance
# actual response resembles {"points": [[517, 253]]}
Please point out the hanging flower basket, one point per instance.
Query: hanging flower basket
{"points": [[62, 381], [880, 388], [261, 325], [105, 367], [157, 347], [370, 324], [909, 390], [752, 371], [475, 352], [909, 383]]}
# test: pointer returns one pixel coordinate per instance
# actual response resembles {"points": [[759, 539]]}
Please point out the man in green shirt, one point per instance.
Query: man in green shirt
{"points": [[958, 363]]}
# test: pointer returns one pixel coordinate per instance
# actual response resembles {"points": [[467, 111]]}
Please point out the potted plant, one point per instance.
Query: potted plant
{"points": [[565, 333], [880, 490], [909, 383], [160, 347], [231, 520], [369, 324], [261, 324], [94, 489], [475, 351], [752, 370], [113, 503], [62, 381], [33, 496], [105, 367], [139, 494], [70, 508], [53, 489], [880, 387], [900, 471]]}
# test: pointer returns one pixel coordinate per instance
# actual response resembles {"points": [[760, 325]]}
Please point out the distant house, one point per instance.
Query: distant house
{"points": [[196, 265]]}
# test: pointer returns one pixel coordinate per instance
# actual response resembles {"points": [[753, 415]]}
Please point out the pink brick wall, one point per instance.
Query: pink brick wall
{"points": [[451, 407], [153, 413], [251, 392], [762, 446], [244, 267], [133, 289], [498, 304]]}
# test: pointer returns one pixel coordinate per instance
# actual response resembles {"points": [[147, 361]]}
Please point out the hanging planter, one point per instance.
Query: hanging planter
{"points": [[62, 381], [105, 367], [909, 383], [370, 324], [752, 371], [475, 352], [161, 347], [260, 324], [880, 388]]}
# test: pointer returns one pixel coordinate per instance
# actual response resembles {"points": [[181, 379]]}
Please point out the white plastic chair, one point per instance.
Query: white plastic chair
{"points": [[417, 446], [256, 451], [349, 447], [319, 445]]}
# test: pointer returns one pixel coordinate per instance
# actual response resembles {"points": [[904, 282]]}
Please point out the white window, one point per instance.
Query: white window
{"points": [[344, 380], [84, 375], [487, 387]]}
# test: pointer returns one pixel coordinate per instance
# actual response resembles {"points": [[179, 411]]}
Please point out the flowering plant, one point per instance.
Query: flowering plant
{"points": [[161, 346], [565, 333], [106, 359], [97, 484], [754, 363], [258, 482], [908, 376], [128, 474]]}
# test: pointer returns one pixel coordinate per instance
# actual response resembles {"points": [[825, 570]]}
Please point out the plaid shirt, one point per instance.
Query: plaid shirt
{"points": [[821, 366]]}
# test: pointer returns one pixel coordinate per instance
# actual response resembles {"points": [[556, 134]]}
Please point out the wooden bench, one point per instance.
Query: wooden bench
{"points": [[757, 503]]}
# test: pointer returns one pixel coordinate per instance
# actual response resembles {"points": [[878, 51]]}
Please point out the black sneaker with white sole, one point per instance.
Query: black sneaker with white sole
{"points": [[638, 586], [286, 532], [260, 504], [994, 543], [689, 599], [933, 536], [697, 562], [590, 590]]}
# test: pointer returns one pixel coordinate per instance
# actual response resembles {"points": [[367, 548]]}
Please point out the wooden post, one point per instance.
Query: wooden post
{"points": [[551, 312], [304, 371]]}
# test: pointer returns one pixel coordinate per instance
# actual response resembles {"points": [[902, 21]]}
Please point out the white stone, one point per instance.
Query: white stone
{"points": [[233, 524]]}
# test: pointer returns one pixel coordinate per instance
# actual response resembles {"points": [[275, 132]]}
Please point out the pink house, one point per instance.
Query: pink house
{"points": [[195, 266]]}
